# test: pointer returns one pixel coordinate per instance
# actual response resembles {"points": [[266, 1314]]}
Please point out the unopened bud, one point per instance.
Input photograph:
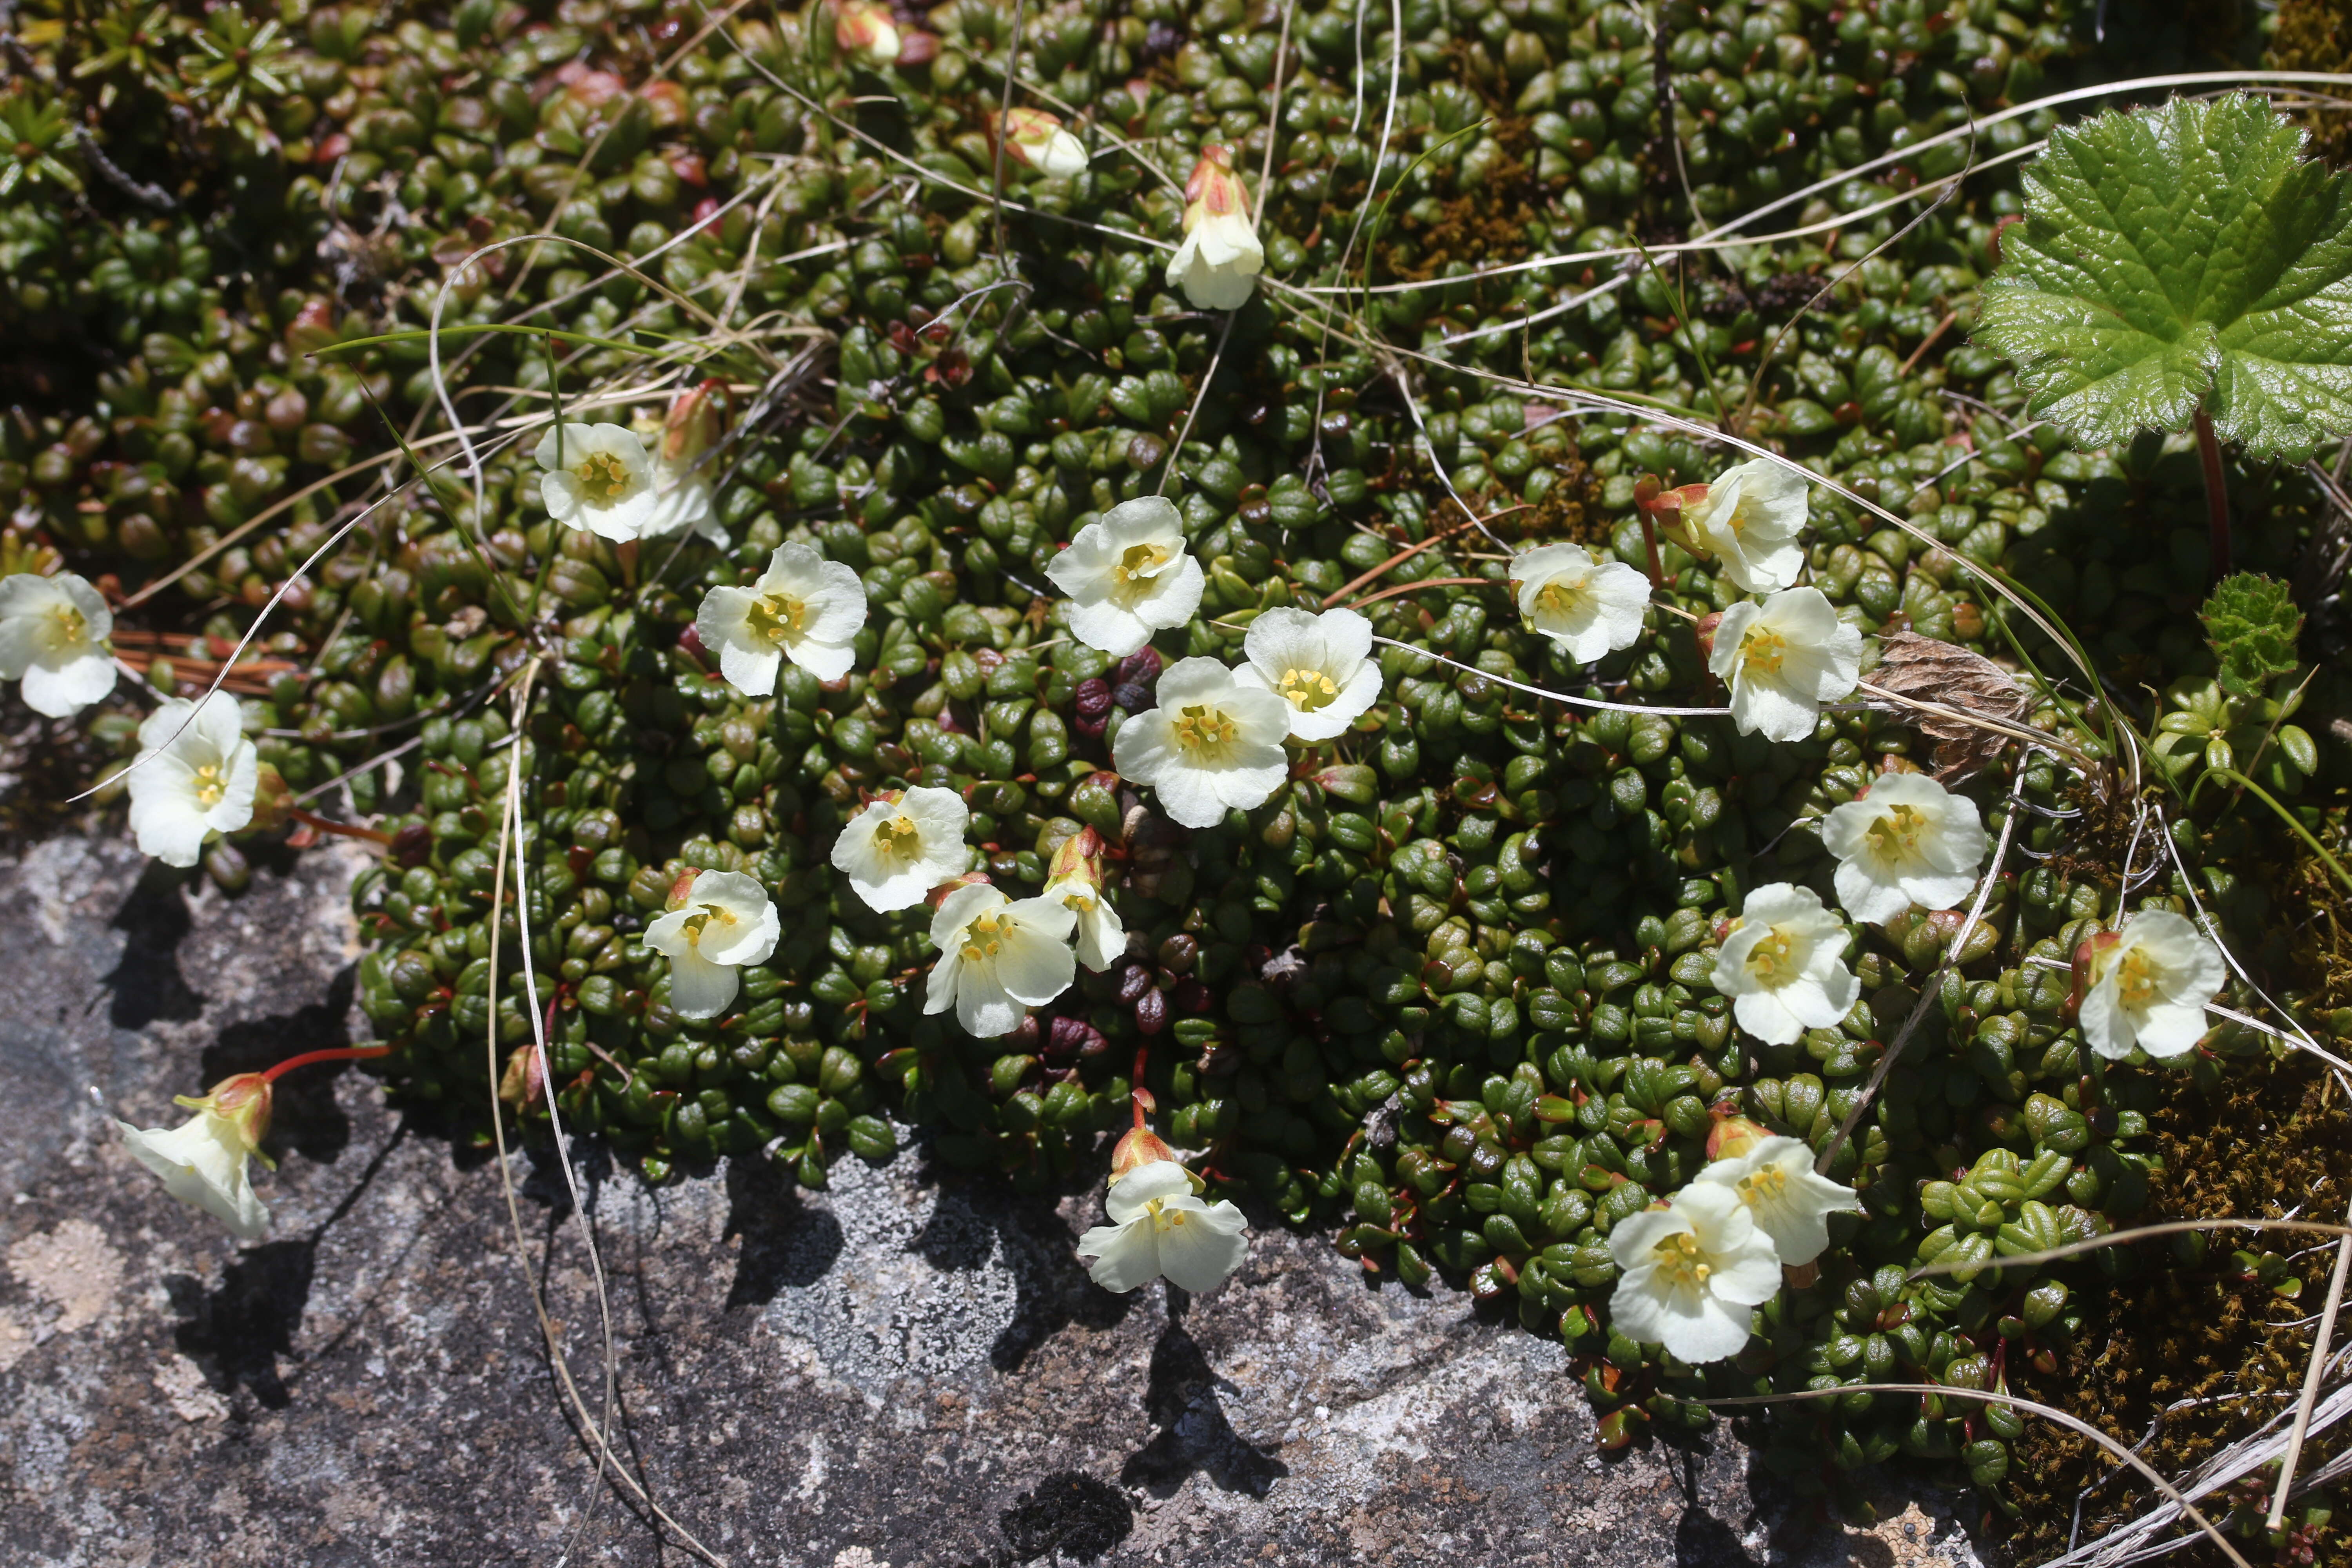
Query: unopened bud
{"points": [[1142, 1146], [523, 1085], [1037, 139], [865, 31], [241, 1102], [696, 421], [1733, 1136]]}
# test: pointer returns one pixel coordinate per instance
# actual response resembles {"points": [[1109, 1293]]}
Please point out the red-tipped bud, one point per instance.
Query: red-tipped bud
{"points": [[1704, 632], [696, 421], [1733, 1136], [1140, 1147]]}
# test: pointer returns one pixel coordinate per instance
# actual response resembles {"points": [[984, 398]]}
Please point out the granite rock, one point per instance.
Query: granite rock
{"points": [[902, 1371]]}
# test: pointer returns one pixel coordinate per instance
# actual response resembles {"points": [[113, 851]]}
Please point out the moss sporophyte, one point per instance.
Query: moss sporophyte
{"points": [[1500, 621]]}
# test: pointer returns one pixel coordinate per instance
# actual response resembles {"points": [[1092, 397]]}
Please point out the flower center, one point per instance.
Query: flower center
{"points": [[695, 928], [1761, 651], [1162, 1216], [779, 617], [986, 937], [1560, 598], [1205, 729], [603, 475], [1774, 958], [1896, 835], [1681, 1261], [1138, 566], [210, 786], [1765, 1187], [70, 630], [1308, 689], [2136, 980], [899, 838]]}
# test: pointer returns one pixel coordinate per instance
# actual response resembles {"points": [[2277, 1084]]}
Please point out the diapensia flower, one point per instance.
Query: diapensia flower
{"points": [[902, 843], [1038, 139], [717, 922], [682, 477], [1690, 1270], [53, 633], [865, 31], [1749, 520], [803, 608], [1160, 1226], [1905, 840], [998, 958], [2148, 982], [1783, 966], [194, 775], [1589, 607], [1076, 878], [1218, 264], [599, 478], [1127, 576], [1212, 745], [1782, 660], [1789, 1201], [1320, 666], [202, 1160]]}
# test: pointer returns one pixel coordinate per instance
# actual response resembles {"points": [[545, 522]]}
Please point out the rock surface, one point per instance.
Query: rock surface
{"points": [[900, 1371]]}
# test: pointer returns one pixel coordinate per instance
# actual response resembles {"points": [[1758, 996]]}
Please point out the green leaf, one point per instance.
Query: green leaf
{"points": [[2182, 255], [2252, 625]]}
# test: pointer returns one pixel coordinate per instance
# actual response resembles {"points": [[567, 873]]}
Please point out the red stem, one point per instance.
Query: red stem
{"points": [[1143, 1052], [338, 1054], [2217, 495], [341, 829]]}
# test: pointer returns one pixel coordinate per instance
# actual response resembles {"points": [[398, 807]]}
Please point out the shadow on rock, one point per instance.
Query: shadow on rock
{"points": [[785, 1241], [236, 1331], [146, 983], [1181, 1400], [1068, 1513], [1701, 1539], [303, 1114], [1052, 1285]]}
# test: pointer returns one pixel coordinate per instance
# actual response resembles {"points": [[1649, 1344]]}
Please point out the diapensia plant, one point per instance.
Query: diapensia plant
{"points": [[1174, 567]]}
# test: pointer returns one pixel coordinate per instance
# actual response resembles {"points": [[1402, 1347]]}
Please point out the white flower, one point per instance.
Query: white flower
{"points": [[998, 958], [1691, 1271], [1782, 660], [1587, 607], [599, 478], [2149, 982], [194, 775], [901, 846], [682, 479], [202, 1160], [726, 921], [804, 607], [681, 501], [1321, 666], [1788, 1200], [1211, 746], [1158, 1226], [1037, 139], [1127, 576], [1781, 967], [1218, 264], [1099, 936], [1908, 841], [53, 633], [1749, 520]]}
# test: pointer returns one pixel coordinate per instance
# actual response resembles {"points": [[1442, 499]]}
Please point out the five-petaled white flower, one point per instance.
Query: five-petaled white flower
{"points": [[1218, 264], [1321, 666], [1749, 521], [682, 471], [1782, 660], [1908, 841], [202, 1160], [998, 958], [1783, 966], [1037, 139], [1076, 878], [1127, 576], [1589, 607], [1691, 1271], [1211, 746], [2150, 979], [724, 923], [804, 607], [599, 478], [1160, 1227], [1790, 1202], [53, 633], [195, 775], [900, 846]]}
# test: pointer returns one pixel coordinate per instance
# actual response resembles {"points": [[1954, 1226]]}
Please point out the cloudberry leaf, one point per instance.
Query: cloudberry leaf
{"points": [[2181, 255]]}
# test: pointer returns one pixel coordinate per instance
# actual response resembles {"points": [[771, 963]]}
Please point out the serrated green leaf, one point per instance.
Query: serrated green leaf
{"points": [[2253, 624], [2182, 255]]}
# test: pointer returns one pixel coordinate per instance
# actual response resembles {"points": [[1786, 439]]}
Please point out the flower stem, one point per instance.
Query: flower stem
{"points": [[335, 1054], [2217, 495], [1142, 1055], [341, 829]]}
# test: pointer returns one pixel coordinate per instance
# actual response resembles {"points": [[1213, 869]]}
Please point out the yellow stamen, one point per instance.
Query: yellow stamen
{"points": [[1204, 728], [695, 926], [1162, 1216], [1138, 565], [2136, 982], [777, 618], [986, 937], [1308, 689], [1765, 1187], [210, 786], [1681, 1261], [1896, 835], [1761, 651], [1772, 957], [899, 838], [1559, 599], [603, 469]]}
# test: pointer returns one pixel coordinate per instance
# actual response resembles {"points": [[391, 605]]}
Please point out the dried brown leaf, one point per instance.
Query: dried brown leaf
{"points": [[1926, 670]]}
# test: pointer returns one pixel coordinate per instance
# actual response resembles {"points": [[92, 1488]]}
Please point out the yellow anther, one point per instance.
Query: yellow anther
{"points": [[1761, 651], [1559, 599], [1772, 956], [1307, 688], [779, 617], [1201, 728], [1896, 835], [605, 470]]}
